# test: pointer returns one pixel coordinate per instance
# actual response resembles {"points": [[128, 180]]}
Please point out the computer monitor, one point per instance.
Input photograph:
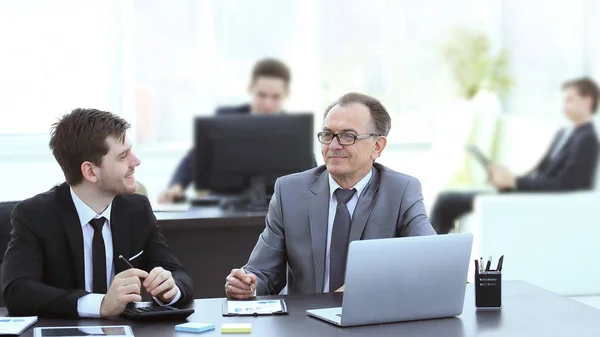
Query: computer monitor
{"points": [[246, 154]]}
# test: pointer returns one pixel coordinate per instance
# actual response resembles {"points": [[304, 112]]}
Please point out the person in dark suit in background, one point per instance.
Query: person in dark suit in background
{"points": [[63, 256], [268, 89], [569, 164]]}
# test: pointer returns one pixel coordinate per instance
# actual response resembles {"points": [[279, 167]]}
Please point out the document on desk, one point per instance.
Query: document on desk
{"points": [[250, 308], [16, 325], [182, 207]]}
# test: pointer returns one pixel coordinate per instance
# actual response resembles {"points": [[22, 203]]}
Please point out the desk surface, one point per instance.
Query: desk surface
{"points": [[209, 216], [527, 311]]}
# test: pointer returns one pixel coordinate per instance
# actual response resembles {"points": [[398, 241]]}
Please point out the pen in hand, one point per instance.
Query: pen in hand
{"points": [[250, 284], [126, 261]]}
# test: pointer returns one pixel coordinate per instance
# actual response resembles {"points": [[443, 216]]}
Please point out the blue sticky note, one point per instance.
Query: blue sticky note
{"points": [[194, 327]]}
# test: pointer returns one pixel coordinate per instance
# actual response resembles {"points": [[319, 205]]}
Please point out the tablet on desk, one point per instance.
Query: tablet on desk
{"points": [[69, 331], [479, 156]]}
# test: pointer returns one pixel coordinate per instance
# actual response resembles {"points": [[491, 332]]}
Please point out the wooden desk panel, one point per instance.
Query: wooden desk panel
{"points": [[209, 242]]}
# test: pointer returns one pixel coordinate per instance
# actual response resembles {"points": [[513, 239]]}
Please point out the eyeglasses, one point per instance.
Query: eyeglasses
{"points": [[343, 138]]}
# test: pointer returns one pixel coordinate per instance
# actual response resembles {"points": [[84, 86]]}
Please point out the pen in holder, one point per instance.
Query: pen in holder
{"points": [[488, 286]]}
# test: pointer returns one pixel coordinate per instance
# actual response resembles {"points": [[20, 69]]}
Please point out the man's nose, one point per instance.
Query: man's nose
{"points": [[335, 144]]}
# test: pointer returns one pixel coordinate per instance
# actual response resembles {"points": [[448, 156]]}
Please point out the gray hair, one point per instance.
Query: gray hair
{"points": [[381, 120]]}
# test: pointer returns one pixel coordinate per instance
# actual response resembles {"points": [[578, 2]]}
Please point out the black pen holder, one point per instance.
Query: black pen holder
{"points": [[488, 290]]}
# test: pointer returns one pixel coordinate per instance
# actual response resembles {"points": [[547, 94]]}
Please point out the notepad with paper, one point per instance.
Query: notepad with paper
{"points": [[16, 325], [252, 308]]}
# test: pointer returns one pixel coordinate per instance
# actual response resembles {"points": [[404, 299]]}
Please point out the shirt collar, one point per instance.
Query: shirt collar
{"points": [[360, 186], [84, 211]]}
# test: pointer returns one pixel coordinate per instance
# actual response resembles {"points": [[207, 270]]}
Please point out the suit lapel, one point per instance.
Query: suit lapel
{"points": [[559, 158], [72, 225], [364, 207], [119, 218], [318, 210]]}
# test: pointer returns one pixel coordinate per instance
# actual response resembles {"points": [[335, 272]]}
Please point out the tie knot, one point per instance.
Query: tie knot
{"points": [[343, 195], [97, 223]]}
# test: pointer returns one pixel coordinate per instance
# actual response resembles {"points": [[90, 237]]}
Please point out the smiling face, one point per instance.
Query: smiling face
{"points": [[350, 163], [115, 174]]}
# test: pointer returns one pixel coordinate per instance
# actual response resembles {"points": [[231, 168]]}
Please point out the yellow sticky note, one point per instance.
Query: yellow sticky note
{"points": [[236, 327]]}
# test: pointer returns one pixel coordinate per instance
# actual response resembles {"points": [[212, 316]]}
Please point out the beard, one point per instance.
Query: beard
{"points": [[117, 186]]}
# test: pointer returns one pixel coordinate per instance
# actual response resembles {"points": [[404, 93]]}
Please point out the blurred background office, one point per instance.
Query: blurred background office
{"points": [[487, 72]]}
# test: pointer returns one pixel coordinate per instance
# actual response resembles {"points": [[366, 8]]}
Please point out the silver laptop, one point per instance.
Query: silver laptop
{"points": [[402, 279]]}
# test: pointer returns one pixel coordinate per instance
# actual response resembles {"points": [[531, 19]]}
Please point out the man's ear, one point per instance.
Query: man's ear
{"points": [[380, 144], [286, 94], [89, 171], [590, 103]]}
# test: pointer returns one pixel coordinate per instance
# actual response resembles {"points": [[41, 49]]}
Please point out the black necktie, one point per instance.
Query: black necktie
{"points": [[98, 257], [339, 239]]}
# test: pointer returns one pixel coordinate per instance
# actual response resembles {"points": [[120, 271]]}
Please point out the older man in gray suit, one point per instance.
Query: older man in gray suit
{"points": [[315, 214]]}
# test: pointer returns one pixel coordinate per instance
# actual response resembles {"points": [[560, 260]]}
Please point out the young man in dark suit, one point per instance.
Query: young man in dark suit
{"points": [[268, 89], [63, 256], [569, 164]]}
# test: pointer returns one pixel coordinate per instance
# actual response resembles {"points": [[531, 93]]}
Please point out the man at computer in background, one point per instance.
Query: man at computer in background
{"points": [[63, 256], [568, 165], [268, 90], [315, 214]]}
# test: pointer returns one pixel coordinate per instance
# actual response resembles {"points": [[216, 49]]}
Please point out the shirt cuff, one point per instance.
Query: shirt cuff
{"points": [[89, 305], [173, 301]]}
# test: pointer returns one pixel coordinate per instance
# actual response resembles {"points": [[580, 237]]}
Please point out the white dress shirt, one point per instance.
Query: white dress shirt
{"points": [[333, 185], [89, 305]]}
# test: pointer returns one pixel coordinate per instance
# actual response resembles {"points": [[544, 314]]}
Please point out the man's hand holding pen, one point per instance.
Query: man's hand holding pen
{"points": [[125, 288], [158, 283], [239, 284]]}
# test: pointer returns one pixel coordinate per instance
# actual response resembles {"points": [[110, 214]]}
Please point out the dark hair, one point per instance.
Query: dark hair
{"points": [[586, 87], [381, 120], [271, 67], [81, 136]]}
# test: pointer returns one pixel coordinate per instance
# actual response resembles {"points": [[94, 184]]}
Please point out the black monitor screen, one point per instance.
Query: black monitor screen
{"points": [[231, 150]]}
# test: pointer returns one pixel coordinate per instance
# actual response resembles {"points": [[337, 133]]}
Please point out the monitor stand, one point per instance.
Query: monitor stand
{"points": [[254, 200]]}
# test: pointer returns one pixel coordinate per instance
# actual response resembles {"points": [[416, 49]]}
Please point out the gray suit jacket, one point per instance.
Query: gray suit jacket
{"points": [[295, 238]]}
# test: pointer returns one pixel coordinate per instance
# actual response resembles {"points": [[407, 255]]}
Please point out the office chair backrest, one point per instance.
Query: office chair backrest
{"points": [[6, 208]]}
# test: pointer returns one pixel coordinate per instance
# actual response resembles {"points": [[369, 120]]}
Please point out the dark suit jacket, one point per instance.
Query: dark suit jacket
{"points": [[572, 168], [184, 173], [43, 269]]}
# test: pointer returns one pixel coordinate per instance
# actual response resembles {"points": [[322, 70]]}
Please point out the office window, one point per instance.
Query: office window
{"points": [[57, 55]]}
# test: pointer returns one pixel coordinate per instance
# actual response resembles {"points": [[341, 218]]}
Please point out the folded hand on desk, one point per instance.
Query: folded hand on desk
{"points": [[240, 285], [160, 283]]}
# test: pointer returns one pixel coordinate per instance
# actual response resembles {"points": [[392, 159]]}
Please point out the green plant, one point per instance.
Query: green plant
{"points": [[474, 67]]}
